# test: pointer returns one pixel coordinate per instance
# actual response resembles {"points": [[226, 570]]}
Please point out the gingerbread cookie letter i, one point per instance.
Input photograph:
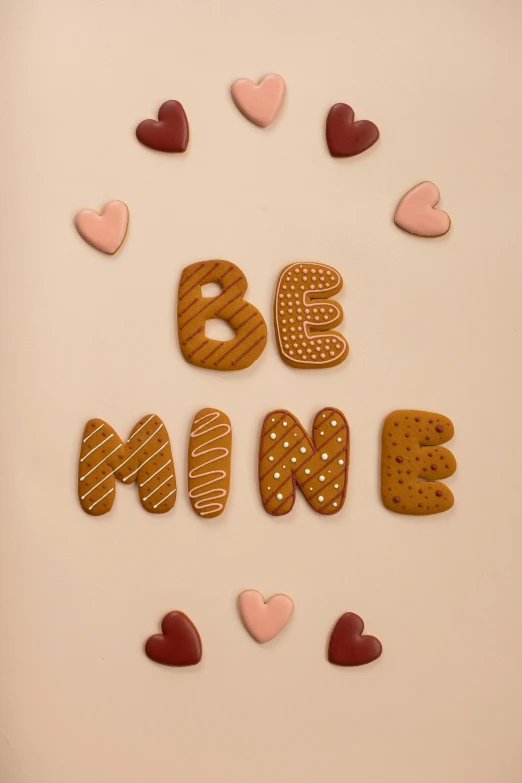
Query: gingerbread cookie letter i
{"points": [[210, 446], [413, 461], [318, 464], [304, 316], [145, 457], [229, 305]]}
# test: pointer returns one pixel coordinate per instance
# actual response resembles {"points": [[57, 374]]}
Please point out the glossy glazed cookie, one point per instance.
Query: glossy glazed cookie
{"points": [[264, 620], [304, 316], [318, 464], [417, 215], [262, 102], [348, 646], [413, 461], [145, 458], [345, 137], [194, 310], [209, 455], [178, 644], [169, 133], [105, 230]]}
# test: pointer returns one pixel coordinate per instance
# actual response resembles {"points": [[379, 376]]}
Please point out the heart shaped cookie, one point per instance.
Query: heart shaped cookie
{"points": [[106, 230], [348, 647], [416, 212], [264, 620], [260, 103], [170, 133], [346, 138], [179, 644]]}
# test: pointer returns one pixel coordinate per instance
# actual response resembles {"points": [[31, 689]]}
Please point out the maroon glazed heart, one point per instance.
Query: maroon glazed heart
{"points": [[345, 137], [348, 647], [179, 644], [170, 133]]}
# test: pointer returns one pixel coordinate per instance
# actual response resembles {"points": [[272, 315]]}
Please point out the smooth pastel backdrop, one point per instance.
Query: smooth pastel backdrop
{"points": [[434, 324]]}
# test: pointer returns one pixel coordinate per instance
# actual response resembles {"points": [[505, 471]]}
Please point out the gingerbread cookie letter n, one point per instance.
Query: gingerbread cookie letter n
{"points": [[229, 305], [413, 461], [209, 452], [145, 457], [304, 316], [318, 464]]}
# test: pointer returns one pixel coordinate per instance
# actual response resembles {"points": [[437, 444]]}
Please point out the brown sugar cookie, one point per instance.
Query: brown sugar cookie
{"points": [[288, 455], [304, 316], [209, 455], [145, 457], [229, 305], [413, 461]]}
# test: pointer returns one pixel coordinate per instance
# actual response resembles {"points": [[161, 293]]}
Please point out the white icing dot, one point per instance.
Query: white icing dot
{"points": [[285, 424], [311, 489], [320, 498], [324, 456], [285, 444], [321, 433], [279, 496], [321, 478], [277, 475], [339, 440], [340, 461], [333, 423], [302, 450], [307, 471], [273, 435], [270, 459], [293, 459], [336, 486], [334, 505]]}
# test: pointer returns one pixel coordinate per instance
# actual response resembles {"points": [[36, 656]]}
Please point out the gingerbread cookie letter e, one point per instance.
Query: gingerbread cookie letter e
{"points": [[319, 464], [210, 445], [229, 305], [413, 461], [304, 316], [146, 457]]}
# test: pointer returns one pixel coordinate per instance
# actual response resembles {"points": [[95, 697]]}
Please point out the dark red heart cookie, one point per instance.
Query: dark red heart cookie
{"points": [[179, 644], [170, 133], [348, 647], [345, 137]]}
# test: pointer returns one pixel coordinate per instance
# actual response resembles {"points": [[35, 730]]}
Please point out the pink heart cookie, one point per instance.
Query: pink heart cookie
{"points": [[416, 212], [264, 620], [260, 103], [105, 231]]}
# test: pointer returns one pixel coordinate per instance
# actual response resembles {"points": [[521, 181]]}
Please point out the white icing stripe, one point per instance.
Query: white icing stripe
{"points": [[105, 478], [97, 447], [103, 496], [158, 471], [164, 499], [147, 460], [102, 461], [140, 428], [158, 487], [139, 449], [92, 433]]}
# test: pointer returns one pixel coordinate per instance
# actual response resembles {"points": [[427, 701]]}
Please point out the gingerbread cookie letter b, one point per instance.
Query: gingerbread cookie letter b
{"points": [[229, 305], [288, 455], [145, 457], [304, 316], [413, 462]]}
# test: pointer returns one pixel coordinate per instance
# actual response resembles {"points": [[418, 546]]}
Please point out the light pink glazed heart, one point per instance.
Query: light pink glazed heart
{"points": [[260, 103], [264, 621], [416, 212], [105, 231]]}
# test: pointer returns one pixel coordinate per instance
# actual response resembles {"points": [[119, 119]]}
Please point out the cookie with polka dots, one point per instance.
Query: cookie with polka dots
{"points": [[305, 315], [413, 461], [317, 463]]}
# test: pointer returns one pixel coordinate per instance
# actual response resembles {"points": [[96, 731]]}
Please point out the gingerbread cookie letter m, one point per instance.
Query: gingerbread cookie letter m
{"points": [[229, 305], [413, 461], [318, 464], [145, 457], [304, 316]]}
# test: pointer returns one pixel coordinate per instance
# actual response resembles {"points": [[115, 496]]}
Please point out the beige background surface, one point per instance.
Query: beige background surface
{"points": [[431, 324]]}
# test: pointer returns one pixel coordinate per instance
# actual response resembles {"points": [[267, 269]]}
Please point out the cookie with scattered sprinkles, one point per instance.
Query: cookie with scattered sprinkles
{"points": [[413, 461], [317, 463]]}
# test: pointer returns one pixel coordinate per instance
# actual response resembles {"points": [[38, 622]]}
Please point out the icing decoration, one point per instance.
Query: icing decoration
{"points": [[416, 212], [106, 230], [170, 133], [346, 138], [179, 643], [146, 458], [209, 452], [413, 461], [260, 103], [304, 316], [318, 464], [264, 620], [348, 646], [229, 305]]}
